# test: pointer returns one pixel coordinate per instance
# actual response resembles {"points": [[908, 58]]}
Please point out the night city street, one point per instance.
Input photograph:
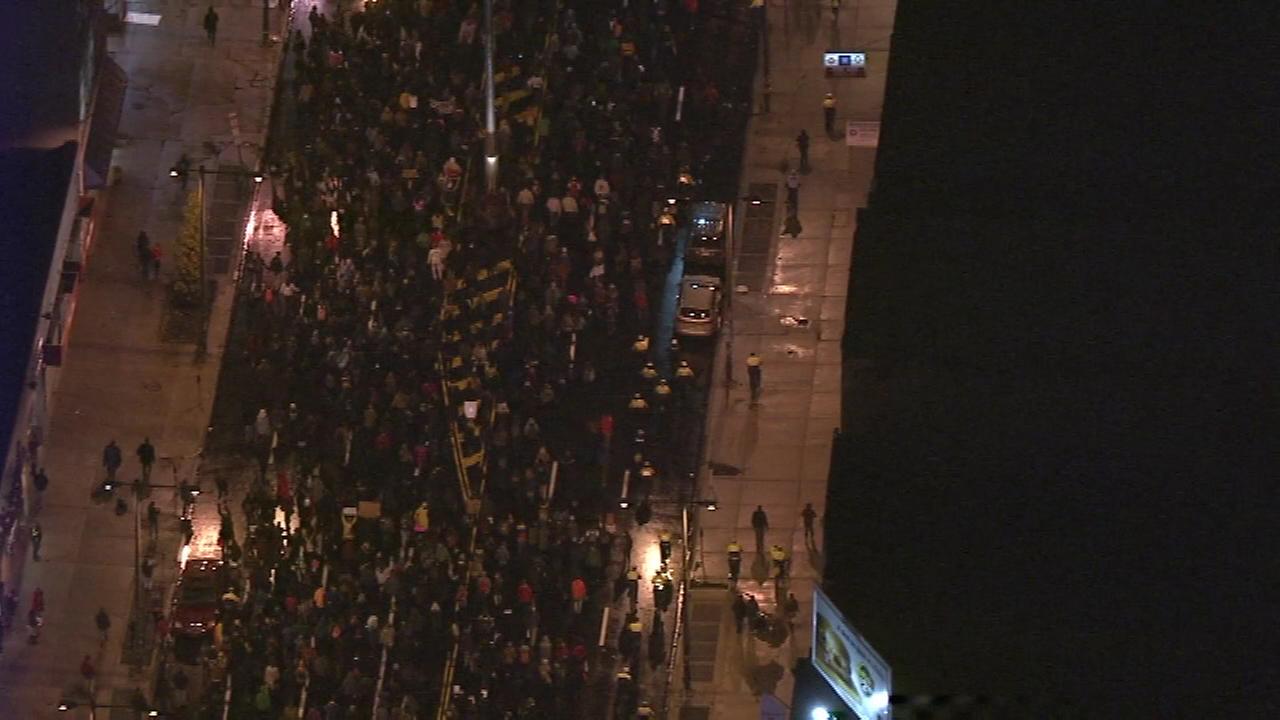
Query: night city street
{"points": [[623, 359]]}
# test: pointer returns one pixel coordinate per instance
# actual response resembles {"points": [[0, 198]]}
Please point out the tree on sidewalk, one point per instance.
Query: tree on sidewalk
{"points": [[187, 256]]}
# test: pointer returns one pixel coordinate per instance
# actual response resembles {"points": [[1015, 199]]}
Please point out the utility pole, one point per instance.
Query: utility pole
{"points": [[266, 22], [490, 125], [202, 344]]}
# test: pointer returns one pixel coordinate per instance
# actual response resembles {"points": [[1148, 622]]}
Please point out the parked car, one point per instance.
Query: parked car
{"points": [[698, 312], [197, 597], [707, 224]]}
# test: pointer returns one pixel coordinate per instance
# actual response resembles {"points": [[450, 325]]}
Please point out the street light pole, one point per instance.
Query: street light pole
{"points": [[731, 258], [202, 344], [490, 122], [266, 22]]}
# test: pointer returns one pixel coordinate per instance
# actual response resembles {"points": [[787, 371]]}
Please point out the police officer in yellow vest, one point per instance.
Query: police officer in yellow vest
{"points": [[649, 373], [779, 557], [684, 372], [754, 376], [735, 560], [662, 395], [638, 405], [629, 643], [684, 382], [639, 349], [662, 589]]}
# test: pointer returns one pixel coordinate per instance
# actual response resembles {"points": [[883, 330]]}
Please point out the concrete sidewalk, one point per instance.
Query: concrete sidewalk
{"points": [[792, 316], [120, 380]]}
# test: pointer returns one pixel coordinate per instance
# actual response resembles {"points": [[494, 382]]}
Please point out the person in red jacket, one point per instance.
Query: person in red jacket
{"points": [[524, 593], [578, 590]]}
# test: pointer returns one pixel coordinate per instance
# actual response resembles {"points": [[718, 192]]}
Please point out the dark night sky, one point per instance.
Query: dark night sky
{"points": [[1064, 323]]}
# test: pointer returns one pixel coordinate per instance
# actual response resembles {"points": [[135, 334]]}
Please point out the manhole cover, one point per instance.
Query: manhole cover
{"points": [[151, 386]]}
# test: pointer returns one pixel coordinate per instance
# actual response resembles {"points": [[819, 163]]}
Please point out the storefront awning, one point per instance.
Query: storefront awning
{"points": [[107, 108]]}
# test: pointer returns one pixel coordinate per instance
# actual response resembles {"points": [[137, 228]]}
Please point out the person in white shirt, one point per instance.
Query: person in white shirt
{"points": [[601, 188], [524, 200], [435, 257], [553, 210]]}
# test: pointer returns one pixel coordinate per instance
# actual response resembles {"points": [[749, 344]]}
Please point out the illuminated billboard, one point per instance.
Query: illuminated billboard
{"points": [[847, 661]]}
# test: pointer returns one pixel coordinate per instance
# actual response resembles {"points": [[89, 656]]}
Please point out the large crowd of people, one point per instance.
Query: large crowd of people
{"points": [[438, 366]]}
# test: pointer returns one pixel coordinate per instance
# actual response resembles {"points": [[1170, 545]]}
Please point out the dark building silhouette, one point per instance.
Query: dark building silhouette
{"points": [[1061, 362]]}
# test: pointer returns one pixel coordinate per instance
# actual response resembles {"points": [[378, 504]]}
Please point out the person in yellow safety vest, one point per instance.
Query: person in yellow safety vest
{"points": [[683, 371], [662, 588], [649, 372], [641, 345], [644, 711], [779, 557], [662, 393], [422, 518], [626, 695], [629, 641], [735, 560], [754, 375], [664, 546], [637, 404], [829, 113]]}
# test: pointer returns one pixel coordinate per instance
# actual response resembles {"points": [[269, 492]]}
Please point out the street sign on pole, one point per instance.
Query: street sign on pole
{"points": [[861, 134], [844, 63]]}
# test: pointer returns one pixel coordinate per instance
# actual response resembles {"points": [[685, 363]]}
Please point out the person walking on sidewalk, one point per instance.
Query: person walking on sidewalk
{"points": [[793, 193], [829, 114], [211, 25], [735, 560], [147, 457], [41, 483], [111, 459], [103, 621], [808, 515], [144, 254], [760, 523], [153, 520], [802, 144], [753, 375], [739, 612], [37, 536]]}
